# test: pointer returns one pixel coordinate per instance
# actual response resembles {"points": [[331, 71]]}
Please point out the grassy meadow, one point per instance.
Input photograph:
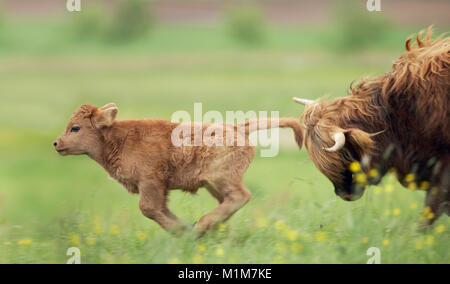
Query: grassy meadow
{"points": [[49, 203]]}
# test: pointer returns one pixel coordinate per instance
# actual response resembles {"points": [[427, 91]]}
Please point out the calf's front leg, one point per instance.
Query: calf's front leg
{"points": [[153, 205]]}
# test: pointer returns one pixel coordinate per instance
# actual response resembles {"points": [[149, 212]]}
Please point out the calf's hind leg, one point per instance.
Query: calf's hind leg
{"points": [[235, 196]]}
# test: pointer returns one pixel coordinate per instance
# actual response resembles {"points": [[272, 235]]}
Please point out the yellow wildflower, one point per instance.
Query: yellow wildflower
{"points": [[220, 252], [90, 241], [409, 178], [280, 225], [427, 213], [361, 178], [7, 243], [141, 236], [389, 188], [440, 229], [396, 212], [430, 240], [291, 235], [424, 185], [386, 242], [412, 186], [419, 244], [365, 240], [393, 170], [201, 248], [25, 242], [373, 173], [355, 167], [97, 227], [413, 206], [221, 227], [174, 261], [75, 240], [261, 222], [114, 230], [320, 237], [198, 259]]}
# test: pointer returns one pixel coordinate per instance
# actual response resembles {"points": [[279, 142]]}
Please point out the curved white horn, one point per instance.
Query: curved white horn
{"points": [[302, 101], [339, 141]]}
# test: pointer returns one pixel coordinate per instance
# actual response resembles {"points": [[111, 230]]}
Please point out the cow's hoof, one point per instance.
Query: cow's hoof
{"points": [[423, 227]]}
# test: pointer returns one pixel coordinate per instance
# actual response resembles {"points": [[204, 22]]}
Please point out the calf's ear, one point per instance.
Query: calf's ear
{"points": [[108, 106], [105, 116]]}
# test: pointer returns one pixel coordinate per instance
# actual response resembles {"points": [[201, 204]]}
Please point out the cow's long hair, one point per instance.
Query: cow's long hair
{"points": [[408, 108]]}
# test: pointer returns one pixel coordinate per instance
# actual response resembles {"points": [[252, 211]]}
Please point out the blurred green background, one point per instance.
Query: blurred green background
{"points": [[153, 58]]}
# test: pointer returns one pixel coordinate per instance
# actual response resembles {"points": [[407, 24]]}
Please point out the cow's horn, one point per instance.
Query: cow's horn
{"points": [[302, 101], [339, 141]]}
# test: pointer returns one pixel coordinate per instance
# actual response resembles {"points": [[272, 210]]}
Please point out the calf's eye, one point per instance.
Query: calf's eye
{"points": [[75, 129]]}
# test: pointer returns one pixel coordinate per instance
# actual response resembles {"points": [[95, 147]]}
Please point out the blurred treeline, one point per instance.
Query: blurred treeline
{"points": [[244, 24], [130, 20]]}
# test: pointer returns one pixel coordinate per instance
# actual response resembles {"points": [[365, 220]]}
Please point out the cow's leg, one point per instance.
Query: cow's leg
{"points": [[153, 205], [434, 207], [234, 197], [438, 197], [446, 189]]}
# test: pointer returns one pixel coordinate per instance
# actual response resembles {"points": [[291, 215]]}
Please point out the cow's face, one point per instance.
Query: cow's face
{"points": [[333, 148], [82, 134]]}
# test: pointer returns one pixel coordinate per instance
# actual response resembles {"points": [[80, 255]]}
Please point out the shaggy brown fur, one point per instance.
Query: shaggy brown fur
{"points": [[140, 155], [400, 120]]}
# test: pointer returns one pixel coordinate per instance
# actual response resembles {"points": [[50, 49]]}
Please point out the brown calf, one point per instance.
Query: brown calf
{"points": [[140, 155]]}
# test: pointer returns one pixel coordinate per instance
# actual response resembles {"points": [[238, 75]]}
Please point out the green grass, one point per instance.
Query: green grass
{"points": [[293, 217]]}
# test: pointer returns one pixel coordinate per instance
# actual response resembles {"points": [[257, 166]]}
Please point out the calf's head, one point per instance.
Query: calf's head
{"points": [[333, 146], [82, 134]]}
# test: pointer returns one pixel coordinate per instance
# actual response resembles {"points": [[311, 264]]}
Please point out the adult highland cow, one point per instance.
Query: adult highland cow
{"points": [[399, 121]]}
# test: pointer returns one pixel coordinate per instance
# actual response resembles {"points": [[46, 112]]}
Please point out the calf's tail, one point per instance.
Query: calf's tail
{"points": [[283, 122]]}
